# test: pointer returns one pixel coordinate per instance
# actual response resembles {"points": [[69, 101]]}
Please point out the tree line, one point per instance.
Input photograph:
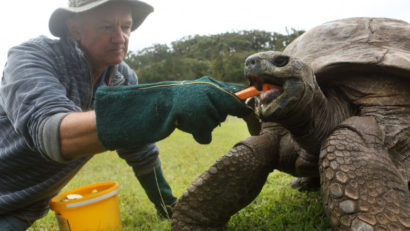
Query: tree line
{"points": [[220, 56]]}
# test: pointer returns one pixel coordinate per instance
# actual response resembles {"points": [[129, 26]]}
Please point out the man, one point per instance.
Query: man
{"points": [[49, 128]]}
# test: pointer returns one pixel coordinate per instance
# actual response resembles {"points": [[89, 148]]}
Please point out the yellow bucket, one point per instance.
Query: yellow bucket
{"points": [[92, 208]]}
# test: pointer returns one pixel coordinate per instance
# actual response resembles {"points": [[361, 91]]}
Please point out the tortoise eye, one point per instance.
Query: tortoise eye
{"points": [[280, 61]]}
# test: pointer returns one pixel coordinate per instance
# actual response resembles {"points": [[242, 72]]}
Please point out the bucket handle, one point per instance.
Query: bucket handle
{"points": [[94, 200]]}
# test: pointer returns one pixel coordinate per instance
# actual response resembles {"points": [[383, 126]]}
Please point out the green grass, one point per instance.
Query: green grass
{"points": [[278, 207]]}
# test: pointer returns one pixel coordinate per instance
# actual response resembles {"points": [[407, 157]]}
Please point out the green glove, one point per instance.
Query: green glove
{"points": [[146, 113]]}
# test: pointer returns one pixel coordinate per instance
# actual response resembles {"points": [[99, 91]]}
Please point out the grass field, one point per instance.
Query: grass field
{"points": [[278, 207]]}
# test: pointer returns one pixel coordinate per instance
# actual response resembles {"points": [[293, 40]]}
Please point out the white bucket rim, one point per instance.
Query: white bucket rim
{"points": [[93, 200]]}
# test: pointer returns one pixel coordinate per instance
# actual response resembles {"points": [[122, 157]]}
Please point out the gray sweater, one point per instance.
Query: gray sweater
{"points": [[43, 81]]}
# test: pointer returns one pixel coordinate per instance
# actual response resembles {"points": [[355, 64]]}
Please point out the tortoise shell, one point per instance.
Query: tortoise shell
{"points": [[355, 44]]}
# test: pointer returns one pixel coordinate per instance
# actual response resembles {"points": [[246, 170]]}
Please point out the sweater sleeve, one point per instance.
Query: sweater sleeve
{"points": [[32, 92], [49, 137]]}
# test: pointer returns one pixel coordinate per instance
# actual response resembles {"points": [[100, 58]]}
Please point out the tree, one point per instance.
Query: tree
{"points": [[220, 56]]}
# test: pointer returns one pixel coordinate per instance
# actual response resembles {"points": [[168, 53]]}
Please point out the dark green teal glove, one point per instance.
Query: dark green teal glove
{"points": [[146, 113]]}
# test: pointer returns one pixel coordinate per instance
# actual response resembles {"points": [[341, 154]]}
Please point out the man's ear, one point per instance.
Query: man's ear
{"points": [[73, 26]]}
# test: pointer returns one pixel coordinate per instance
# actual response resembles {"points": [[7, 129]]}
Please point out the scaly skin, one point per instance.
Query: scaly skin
{"points": [[362, 188]]}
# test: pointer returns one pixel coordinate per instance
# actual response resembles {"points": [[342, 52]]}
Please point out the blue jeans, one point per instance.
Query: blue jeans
{"points": [[12, 223]]}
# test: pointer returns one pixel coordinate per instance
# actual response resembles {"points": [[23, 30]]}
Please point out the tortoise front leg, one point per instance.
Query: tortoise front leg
{"points": [[362, 189], [230, 184]]}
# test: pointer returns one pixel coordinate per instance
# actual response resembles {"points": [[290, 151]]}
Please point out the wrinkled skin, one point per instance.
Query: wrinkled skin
{"points": [[353, 132]]}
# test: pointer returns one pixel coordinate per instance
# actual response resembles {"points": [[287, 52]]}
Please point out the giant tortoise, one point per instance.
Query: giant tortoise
{"points": [[342, 113]]}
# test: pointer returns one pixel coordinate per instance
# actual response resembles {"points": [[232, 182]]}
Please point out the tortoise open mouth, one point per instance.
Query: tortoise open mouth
{"points": [[269, 88]]}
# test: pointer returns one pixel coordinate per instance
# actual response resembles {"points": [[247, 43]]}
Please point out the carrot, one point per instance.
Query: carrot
{"points": [[267, 86], [247, 93], [252, 91]]}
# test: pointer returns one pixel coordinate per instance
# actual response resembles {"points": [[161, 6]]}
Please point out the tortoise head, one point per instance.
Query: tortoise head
{"points": [[291, 75]]}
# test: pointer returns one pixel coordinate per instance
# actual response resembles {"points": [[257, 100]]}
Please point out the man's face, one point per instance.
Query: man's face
{"points": [[103, 34]]}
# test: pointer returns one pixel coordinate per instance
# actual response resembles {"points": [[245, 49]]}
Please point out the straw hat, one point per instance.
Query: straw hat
{"points": [[57, 23]]}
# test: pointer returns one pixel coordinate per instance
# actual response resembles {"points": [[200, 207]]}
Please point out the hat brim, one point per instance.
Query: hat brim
{"points": [[57, 23]]}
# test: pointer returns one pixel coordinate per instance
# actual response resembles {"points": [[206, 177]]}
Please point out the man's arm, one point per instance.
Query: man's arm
{"points": [[78, 135]]}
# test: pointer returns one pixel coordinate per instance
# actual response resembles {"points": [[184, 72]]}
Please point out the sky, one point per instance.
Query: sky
{"points": [[175, 19]]}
